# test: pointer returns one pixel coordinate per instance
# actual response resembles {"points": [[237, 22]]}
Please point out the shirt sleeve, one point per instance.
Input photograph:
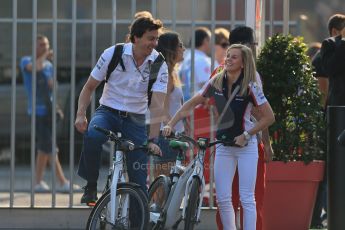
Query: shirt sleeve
{"points": [[333, 55], [202, 70], [161, 83], [99, 72], [258, 79], [257, 94], [24, 62]]}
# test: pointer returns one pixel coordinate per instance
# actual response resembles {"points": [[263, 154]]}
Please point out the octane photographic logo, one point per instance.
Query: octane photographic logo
{"points": [[168, 165]]}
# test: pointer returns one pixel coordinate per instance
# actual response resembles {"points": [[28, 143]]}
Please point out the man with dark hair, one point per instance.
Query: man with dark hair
{"points": [[202, 36], [242, 35], [123, 105], [329, 70], [202, 63], [245, 35], [335, 24], [333, 56]]}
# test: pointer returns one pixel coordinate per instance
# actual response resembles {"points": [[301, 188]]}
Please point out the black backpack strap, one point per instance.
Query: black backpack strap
{"points": [[115, 60], [154, 69]]}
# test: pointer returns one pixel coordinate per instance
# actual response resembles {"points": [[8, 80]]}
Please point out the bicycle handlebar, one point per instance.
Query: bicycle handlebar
{"points": [[201, 142], [105, 131], [124, 145]]}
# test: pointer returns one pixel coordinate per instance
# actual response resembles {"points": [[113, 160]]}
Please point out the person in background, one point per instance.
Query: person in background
{"points": [[221, 45], [144, 13], [44, 81], [202, 63], [171, 46], [330, 72], [332, 56], [237, 80], [313, 53]]}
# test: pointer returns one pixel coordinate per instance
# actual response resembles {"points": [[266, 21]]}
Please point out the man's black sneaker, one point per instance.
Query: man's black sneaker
{"points": [[90, 196], [317, 226]]}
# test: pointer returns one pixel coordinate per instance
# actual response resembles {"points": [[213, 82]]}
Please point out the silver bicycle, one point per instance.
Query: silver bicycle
{"points": [[185, 186], [122, 202]]}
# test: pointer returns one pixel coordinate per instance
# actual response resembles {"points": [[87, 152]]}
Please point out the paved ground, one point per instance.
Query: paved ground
{"points": [[22, 188], [22, 195]]}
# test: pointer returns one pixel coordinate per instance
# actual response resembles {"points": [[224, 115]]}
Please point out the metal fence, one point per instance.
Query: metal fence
{"points": [[79, 31]]}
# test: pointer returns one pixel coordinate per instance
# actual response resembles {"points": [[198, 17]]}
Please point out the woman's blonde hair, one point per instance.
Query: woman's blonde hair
{"points": [[249, 69]]}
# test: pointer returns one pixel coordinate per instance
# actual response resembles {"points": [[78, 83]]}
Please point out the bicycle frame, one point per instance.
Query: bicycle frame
{"points": [[181, 188], [117, 176]]}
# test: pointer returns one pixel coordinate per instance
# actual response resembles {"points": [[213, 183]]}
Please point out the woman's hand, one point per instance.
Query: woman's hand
{"points": [[154, 149], [166, 130], [240, 141]]}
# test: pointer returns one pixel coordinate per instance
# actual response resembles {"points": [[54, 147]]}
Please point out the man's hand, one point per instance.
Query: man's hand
{"points": [[81, 123], [154, 149]]}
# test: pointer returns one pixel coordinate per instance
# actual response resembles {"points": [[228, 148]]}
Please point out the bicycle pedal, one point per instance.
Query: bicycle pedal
{"points": [[91, 204]]}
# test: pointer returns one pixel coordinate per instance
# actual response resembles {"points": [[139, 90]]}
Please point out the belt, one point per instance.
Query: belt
{"points": [[119, 112]]}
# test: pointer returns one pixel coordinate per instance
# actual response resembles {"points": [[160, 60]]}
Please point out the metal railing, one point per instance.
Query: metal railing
{"points": [[158, 9]]}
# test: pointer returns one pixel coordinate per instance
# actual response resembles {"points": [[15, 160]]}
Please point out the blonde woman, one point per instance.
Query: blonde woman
{"points": [[238, 82]]}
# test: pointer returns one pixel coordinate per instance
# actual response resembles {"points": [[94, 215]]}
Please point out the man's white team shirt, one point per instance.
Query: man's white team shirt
{"points": [[127, 90]]}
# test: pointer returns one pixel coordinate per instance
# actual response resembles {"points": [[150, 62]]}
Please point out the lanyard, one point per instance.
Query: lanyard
{"points": [[143, 78]]}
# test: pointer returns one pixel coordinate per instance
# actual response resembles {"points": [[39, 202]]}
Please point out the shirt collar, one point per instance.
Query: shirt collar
{"points": [[225, 85], [128, 50]]}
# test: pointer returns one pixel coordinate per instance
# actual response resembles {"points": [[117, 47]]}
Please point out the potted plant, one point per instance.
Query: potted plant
{"points": [[297, 139]]}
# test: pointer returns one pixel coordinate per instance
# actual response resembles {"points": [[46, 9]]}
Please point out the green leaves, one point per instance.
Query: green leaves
{"points": [[293, 93]]}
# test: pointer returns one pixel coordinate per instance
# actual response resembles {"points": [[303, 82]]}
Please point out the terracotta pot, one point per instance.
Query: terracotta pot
{"points": [[290, 194]]}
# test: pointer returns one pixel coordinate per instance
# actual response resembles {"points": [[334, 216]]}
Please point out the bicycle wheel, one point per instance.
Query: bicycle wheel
{"points": [[158, 195], [131, 211], [192, 205]]}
